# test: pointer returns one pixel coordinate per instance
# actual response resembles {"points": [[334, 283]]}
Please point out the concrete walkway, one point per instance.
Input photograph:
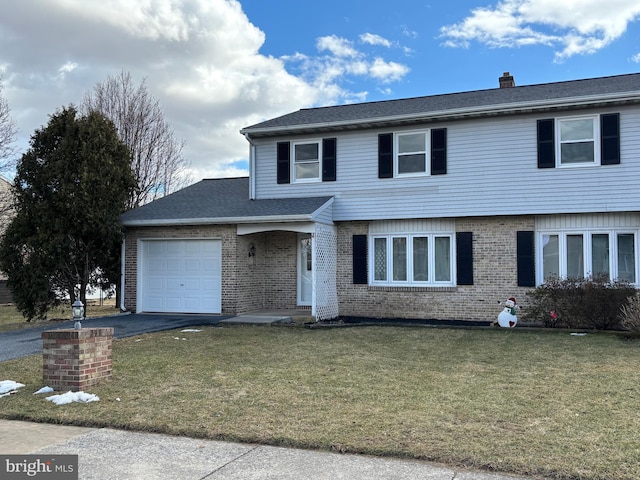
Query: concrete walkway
{"points": [[114, 455]]}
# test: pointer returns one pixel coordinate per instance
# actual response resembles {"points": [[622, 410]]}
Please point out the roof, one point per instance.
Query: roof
{"points": [[224, 201], [568, 94]]}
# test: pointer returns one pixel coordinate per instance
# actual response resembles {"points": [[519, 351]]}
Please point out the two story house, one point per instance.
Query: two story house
{"points": [[434, 207]]}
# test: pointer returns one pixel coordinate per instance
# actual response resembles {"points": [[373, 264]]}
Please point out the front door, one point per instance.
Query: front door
{"points": [[305, 270]]}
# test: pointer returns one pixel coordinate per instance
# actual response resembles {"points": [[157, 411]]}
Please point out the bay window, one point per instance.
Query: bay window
{"points": [[588, 253]]}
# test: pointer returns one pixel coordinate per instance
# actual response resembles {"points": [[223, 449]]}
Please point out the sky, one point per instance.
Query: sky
{"points": [[217, 66]]}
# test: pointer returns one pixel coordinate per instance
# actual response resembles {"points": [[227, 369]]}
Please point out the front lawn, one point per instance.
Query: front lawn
{"points": [[12, 319], [538, 403]]}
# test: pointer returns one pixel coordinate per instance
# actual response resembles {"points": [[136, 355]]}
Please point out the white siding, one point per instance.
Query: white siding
{"points": [[409, 226], [593, 221], [491, 170]]}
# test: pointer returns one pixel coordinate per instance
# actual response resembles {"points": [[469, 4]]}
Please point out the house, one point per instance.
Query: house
{"points": [[431, 207]]}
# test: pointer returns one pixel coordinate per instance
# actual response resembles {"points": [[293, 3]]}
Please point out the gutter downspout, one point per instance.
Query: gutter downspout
{"points": [[252, 168]]}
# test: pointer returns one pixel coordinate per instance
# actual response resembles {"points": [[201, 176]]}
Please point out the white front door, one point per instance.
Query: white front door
{"points": [[305, 270]]}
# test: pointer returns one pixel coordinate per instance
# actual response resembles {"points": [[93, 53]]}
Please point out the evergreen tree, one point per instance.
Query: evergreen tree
{"points": [[70, 188]]}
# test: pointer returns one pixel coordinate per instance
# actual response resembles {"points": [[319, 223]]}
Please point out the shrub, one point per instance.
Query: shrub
{"points": [[592, 302], [631, 314]]}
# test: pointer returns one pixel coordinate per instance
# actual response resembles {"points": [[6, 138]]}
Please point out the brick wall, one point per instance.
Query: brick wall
{"points": [[266, 281], [76, 359], [494, 269], [227, 234]]}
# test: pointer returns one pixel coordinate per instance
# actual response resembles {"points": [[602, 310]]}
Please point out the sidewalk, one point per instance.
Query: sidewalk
{"points": [[115, 454]]}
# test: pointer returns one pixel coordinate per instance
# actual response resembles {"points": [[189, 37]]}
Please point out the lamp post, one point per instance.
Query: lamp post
{"points": [[77, 310]]}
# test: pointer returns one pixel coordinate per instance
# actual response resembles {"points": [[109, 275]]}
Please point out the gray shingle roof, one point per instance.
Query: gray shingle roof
{"points": [[223, 200], [368, 113]]}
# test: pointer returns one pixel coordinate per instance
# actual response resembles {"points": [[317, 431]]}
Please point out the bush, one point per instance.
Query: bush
{"points": [[593, 302], [631, 314]]}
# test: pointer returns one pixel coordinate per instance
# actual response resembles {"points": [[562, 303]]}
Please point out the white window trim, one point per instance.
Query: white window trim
{"points": [[294, 179], [596, 142], [587, 248], [396, 154], [431, 262]]}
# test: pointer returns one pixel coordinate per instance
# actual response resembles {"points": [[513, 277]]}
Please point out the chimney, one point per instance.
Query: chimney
{"points": [[506, 80]]}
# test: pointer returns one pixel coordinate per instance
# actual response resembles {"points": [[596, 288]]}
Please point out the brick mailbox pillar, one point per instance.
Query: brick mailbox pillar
{"points": [[76, 359]]}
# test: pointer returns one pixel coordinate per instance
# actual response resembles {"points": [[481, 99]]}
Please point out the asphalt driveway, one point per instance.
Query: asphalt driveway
{"points": [[21, 343]]}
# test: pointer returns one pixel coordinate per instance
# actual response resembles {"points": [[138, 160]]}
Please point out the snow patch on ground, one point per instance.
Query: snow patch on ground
{"points": [[71, 397], [7, 387]]}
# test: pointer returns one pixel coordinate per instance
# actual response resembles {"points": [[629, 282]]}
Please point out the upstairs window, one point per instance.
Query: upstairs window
{"points": [[411, 155], [577, 141], [306, 161]]}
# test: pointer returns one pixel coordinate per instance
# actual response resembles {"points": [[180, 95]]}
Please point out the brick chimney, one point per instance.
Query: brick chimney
{"points": [[506, 80]]}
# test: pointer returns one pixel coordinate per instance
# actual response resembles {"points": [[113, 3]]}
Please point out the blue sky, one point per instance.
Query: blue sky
{"points": [[217, 66]]}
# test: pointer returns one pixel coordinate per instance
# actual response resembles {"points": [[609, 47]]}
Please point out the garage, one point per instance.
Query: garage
{"points": [[180, 276]]}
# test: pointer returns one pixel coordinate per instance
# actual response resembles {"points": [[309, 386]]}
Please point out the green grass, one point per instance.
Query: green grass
{"points": [[537, 403], [12, 319]]}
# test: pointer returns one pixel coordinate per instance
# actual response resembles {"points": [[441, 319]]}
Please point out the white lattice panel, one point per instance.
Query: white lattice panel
{"points": [[325, 294]]}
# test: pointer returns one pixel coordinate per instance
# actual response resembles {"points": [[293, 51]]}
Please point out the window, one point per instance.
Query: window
{"points": [[412, 153], [414, 259], [306, 161], [577, 141], [411, 156], [580, 254]]}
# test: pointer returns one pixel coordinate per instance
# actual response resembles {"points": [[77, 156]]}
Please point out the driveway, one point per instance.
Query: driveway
{"points": [[21, 343]]}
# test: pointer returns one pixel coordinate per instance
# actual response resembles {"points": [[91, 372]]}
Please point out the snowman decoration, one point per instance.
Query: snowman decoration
{"points": [[507, 317]]}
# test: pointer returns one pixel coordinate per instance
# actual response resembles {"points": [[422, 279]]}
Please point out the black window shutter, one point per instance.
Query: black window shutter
{"points": [[329, 160], [464, 258], [284, 165], [546, 144], [385, 155], [438, 151], [610, 139], [526, 259], [360, 259]]}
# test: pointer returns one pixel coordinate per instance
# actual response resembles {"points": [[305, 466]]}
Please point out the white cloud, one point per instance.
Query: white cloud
{"points": [[636, 58], [201, 58], [338, 60], [388, 71], [373, 39], [571, 27], [340, 47]]}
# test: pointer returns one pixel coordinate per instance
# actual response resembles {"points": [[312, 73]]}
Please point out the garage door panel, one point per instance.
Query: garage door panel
{"points": [[173, 304], [192, 266], [181, 276], [155, 267], [194, 285], [174, 247], [155, 303], [155, 284], [175, 266]]}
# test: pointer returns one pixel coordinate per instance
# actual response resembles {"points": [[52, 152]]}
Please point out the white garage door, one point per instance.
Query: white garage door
{"points": [[181, 276]]}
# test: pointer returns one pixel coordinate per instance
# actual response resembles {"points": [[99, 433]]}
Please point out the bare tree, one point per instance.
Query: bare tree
{"points": [[8, 131], [156, 155]]}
